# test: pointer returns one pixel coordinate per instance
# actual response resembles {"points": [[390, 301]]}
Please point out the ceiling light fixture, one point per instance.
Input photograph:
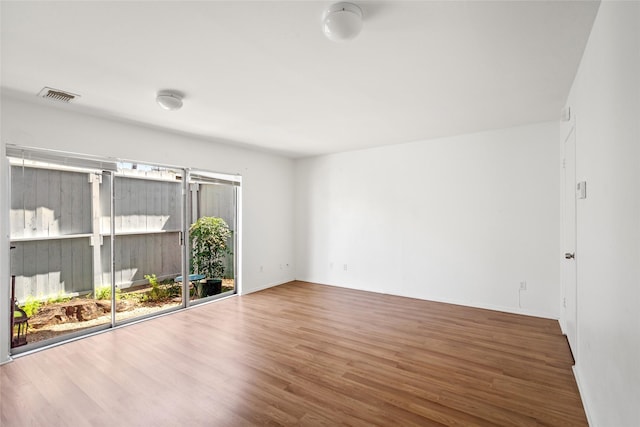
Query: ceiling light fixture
{"points": [[342, 21], [169, 100]]}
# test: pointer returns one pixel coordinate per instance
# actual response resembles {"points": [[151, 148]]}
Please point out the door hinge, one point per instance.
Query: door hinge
{"points": [[564, 163]]}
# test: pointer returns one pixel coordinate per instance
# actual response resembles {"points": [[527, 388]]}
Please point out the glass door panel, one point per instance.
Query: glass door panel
{"points": [[148, 249], [212, 240], [55, 256]]}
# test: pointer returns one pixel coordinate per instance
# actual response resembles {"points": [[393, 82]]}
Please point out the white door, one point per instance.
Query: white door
{"points": [[569, 282]]}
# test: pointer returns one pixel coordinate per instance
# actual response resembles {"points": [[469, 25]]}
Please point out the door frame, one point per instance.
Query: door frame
{"points": [[192, 212], [568, 128]]}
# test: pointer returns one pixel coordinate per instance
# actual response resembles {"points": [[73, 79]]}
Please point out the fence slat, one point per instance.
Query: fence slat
{"points": [[55, 202], [54, 255], [30, 202]]}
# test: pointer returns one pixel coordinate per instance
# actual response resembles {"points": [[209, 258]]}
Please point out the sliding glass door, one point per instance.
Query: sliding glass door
{"points": [[97, 243]]}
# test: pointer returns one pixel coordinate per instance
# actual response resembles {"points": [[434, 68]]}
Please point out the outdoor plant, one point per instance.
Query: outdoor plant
{"points": [[58, 298], [153, 280], [31, 306], [209, 236], [156, 293], [159, 292], [104, 292]]}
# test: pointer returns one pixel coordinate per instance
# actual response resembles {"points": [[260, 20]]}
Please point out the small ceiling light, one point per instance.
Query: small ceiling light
{"points": [[342, 21], [169, 100]]}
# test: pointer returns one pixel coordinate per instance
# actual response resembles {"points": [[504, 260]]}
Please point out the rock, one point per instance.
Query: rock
{"points": [[125, 305], [121, 305], [50, 314], [104, 305], [84, 311], [76, 310]]}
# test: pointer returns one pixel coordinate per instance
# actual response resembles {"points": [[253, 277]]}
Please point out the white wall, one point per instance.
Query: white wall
{"points": [[605, 99], [267, 187], [462, 219]]}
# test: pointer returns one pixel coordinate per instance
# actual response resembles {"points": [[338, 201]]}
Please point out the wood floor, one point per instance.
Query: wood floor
{"points": [[303, 354]]}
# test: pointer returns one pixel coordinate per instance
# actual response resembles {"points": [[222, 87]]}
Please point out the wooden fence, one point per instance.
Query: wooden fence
{"points": [[61, 223]]}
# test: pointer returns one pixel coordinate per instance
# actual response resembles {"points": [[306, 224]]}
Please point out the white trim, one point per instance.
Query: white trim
{"points": [[583, 395], [5, 268], [272, 285], [238, 241], [63, 160], [208, 177], [522, 311]]}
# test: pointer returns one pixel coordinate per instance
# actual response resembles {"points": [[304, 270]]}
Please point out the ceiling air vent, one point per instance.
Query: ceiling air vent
{"points": [[57, 95]]}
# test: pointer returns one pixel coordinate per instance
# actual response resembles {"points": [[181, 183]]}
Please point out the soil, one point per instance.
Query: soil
{"points": [[53, 330], [139, 309]]}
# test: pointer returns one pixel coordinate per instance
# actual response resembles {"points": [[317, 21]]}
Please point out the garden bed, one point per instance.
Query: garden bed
{"points": [[70, 315]]}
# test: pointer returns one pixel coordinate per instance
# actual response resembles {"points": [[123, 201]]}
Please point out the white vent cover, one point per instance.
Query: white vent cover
{"points": [[57, 95]]}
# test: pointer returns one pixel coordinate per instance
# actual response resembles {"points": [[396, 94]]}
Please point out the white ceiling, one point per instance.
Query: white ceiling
{"points": [[263, 74]]}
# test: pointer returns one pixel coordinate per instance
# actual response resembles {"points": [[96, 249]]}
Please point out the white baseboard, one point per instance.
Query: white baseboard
{"points": [[583, 396], [263, 287], [523, 311]]}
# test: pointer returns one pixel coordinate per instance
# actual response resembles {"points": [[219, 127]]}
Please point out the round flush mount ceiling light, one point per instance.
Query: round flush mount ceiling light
{"points": [[342, 21], [169, 100]]}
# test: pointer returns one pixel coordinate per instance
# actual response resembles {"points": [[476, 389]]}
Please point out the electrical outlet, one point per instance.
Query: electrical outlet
{"points": [[523, 286]]}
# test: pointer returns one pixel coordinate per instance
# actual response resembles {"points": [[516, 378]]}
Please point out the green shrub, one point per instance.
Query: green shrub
{"points": [[104, 292], [31, 306], [132, 296], [156, 293], [59, 298], [153, 280], [209, 237], [159, 291]]}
